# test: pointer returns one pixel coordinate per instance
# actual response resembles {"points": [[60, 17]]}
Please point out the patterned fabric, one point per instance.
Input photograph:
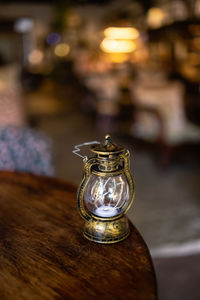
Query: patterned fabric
{"points": [[25, 150]]}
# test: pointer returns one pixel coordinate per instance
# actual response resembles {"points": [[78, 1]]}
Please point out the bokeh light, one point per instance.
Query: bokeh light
{"points": [[118, 46], [121, 33], [155, 17], [62, 49], [23, 25], [35, 57], [53, 38], [118, 57]]}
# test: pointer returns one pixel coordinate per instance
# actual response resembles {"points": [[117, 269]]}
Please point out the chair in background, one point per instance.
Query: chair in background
{"points": [[161, 117]]}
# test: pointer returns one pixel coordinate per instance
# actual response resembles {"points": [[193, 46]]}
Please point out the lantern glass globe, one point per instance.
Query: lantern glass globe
{"points": [[106, 196]]}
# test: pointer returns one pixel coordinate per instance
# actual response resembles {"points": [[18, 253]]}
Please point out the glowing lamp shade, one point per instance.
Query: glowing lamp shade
{"points": [[62, 49], [118, 57], [118, 46], [127, 33]]}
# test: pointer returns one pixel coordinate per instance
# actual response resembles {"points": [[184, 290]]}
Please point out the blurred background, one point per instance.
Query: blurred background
{"points": [[72, 71]]}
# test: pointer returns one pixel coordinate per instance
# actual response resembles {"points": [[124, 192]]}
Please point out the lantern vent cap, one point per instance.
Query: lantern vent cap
{"points": [[107, 147]]}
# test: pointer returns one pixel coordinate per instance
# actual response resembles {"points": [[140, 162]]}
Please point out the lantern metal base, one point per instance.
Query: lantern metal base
{"points": [[106, 232]]}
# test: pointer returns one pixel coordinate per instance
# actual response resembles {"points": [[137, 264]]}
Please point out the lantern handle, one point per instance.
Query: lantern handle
{"points": [[77, 148], [126, 160]]}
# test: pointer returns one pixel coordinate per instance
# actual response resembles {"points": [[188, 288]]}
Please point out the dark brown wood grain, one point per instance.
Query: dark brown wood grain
{"points": [[43, 254]]}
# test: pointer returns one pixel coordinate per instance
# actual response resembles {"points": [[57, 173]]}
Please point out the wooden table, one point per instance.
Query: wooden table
{"points": [[43, 254]]}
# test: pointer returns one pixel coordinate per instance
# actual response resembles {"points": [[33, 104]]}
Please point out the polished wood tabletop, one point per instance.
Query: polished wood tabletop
{"points": [[43, 254]]}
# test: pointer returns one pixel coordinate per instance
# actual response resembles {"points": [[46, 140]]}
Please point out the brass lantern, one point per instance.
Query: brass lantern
{"points": [[106, 193]]}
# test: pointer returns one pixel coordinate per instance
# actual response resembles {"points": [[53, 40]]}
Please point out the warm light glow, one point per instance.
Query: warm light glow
{"points": [[194, 29], [140, 55], [35, 57], [74, 19], [155, 17], [127, 33], [118, 46], [62, 49], [118, 57]]}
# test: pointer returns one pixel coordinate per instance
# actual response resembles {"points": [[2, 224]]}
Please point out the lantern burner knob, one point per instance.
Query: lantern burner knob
{"points": [[108, 138]]}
